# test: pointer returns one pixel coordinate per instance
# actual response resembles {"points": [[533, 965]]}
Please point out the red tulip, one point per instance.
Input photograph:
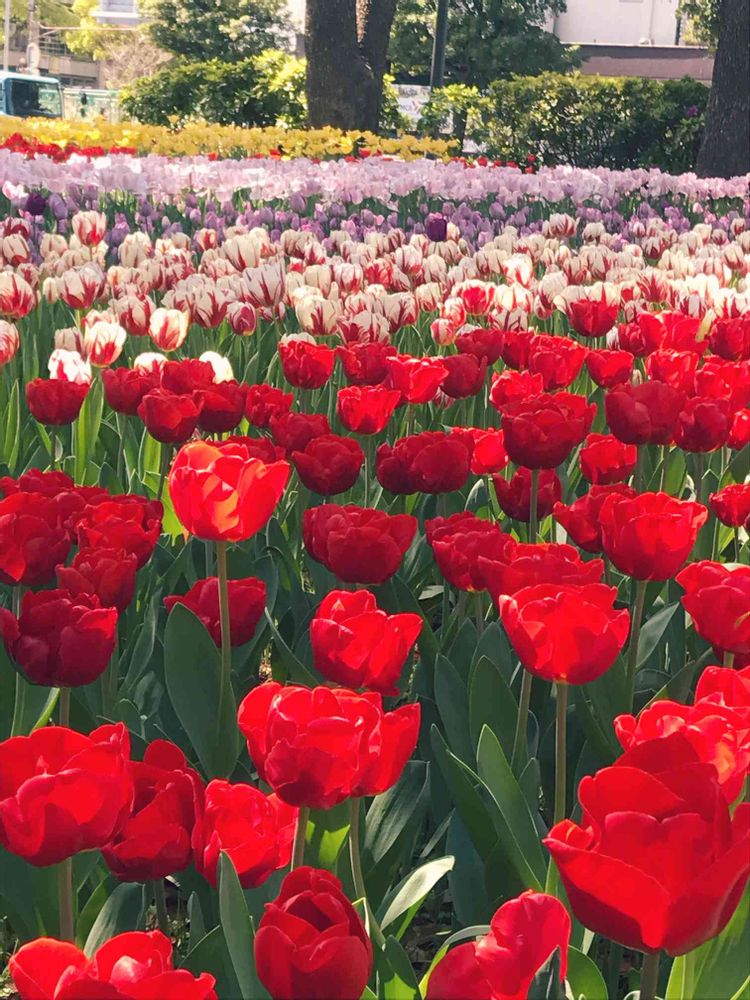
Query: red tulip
{"points": [[185, 377], [329, 464], [483, 344], [724, 380], [430, 462], [357, 544], [642, 336], [254, 829], [294, 431], [703, 424], [124, 388], [168, 417], [731, 505], [466, 375], [366, 409], [718, 735], [131, 966], [222, 407], [221, 494], [511, 387], [55, 401], [316, 747], [649, 536], [62, 792], [541, 432], [605, 459], [557, 359], [730, 338], [306, 365], [739, 435], [108, 574], [417, 379], [523, 935], [262, 402], [565, 632], [717, 598], [674, 368], [514, 495], [726, 687], [489, 454], [365, 364], [356, 644], [643, 414], [515, 348], [49, 483], [581, 518], [60, 639], [156, 839], [458, 541], [656, 862], [531, 565], [32, 539], [610, 368], [126, 522], [311, 943], [247, 602]]}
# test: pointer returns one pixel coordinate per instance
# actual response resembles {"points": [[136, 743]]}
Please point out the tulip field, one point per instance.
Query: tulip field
{"points": [[374, 580]]}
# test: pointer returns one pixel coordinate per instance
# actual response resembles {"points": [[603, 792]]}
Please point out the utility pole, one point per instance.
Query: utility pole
{"points": [[437, 70], [6, 38]]}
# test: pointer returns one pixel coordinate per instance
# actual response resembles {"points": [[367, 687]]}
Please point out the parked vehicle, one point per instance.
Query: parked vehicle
{"points": [[26, 96]]}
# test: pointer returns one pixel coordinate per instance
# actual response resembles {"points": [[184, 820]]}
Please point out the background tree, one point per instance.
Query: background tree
{"points": [[230, 30], [487, 40], [346, 44], [725, 151]]}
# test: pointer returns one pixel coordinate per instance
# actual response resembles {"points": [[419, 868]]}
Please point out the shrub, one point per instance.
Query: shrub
{"points": [[581, 120], [265, 90]]}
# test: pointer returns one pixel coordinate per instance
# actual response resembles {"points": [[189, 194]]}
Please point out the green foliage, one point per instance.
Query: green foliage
{"points": [[586, 121], [230, 30], [487, 40], [703, 21], [265, 90]]}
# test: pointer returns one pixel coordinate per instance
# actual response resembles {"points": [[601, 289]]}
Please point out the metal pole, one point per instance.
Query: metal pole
{"points": [[6, 38], [437, 70]]}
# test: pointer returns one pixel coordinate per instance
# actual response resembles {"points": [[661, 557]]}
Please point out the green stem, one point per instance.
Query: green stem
{"points": [[226, 643], [560, 749], [65, 895], [160, 899], [300, 833], [635, 633], [166, 455], [522, 719], [65, 706], [478, 612], [699, 476], [650, 976], [53, 447], [357, 878], [112, 680], [737, 545], [120, 468], [638, 480], [728, 660], [534, 507]]}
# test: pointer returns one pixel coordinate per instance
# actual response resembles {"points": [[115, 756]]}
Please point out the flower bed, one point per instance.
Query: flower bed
{"points": [[376, 535]]}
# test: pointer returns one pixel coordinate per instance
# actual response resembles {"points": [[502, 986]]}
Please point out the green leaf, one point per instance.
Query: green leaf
{"points": [[237, 929], [192, 669], [491, 703], [408, 895], [462, 785], [12, 436], [143, 648], [86, 430], [33, 707], [17, 897], [453, 704], [396, 979], [517, 830], [122, 912], [584, 978], [391, 812], [210, 954], [653, 631]]}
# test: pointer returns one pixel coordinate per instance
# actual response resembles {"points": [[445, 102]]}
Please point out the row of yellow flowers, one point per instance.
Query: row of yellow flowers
{"points": [[199, 137]]}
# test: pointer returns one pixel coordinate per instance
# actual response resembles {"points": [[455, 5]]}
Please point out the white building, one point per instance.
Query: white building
{"points": [[618, 22]]}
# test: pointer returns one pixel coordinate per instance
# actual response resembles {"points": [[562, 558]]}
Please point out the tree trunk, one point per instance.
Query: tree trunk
{"points": [[725, 151], [346, 43]]}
